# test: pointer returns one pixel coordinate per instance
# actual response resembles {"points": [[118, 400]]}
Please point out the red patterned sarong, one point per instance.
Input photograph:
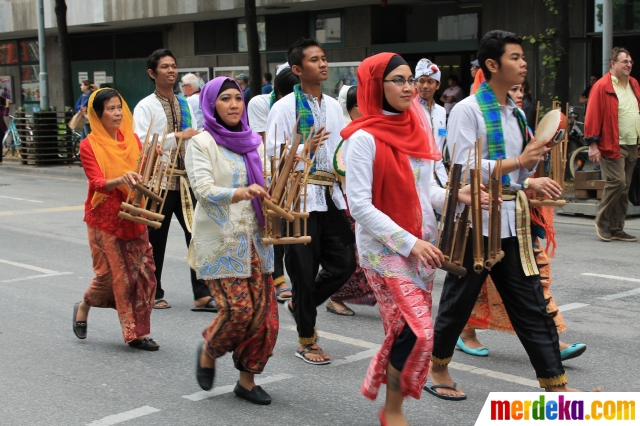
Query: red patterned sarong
{"points": [[125, 280], [247, 321], [400, 301]]}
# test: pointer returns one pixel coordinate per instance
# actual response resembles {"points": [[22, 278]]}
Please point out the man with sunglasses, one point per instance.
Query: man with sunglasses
{"points": [[612, 127]]}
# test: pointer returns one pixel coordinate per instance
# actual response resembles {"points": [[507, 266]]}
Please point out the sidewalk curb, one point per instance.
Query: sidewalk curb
{"points": [[74, 170]]}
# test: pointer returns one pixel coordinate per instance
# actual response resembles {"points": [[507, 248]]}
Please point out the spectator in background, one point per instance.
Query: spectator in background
{"points": [[452, 95], [584, 98], [267, 87], [475, 66], [4, 111], [191, 89], [528, 106], [612, 127], [243, 82], [87, 87]]}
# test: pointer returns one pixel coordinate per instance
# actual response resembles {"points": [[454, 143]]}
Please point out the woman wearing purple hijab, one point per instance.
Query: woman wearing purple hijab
{"points": [[224, 164]]}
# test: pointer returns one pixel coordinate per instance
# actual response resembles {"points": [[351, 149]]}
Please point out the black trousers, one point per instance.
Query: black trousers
{"points": [[329, 247], [278, 262], [158, 240], [523, 301]]}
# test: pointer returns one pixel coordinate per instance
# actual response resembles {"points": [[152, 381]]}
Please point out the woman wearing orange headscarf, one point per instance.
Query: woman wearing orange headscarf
{"points": [[392, 195], [122, 255]]}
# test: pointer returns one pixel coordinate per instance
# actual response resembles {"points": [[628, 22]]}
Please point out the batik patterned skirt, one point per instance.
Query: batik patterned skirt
{"points": [[247, 321], [489, 312], [401, 302], [124, 281]]}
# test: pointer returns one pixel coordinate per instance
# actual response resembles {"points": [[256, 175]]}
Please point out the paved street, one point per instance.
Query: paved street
{"points": [[49, 377]]}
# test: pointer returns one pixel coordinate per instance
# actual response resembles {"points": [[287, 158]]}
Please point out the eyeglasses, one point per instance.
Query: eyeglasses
{"points": [[626, 62], [401, 81]]}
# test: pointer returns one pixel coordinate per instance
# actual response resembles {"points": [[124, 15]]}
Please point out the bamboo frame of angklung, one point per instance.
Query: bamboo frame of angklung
{"points": [[476, 209], [156, 174], [287, 187], [495, 253], [447, 226]]}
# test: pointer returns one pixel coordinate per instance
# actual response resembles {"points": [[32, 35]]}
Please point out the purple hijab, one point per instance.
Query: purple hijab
{"points": [[243, 141]]}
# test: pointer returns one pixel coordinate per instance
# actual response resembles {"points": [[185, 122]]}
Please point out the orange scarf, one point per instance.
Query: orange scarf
{"points": [[114, 157]]}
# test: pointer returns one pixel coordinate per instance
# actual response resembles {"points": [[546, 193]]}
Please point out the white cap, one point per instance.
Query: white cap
{"points": [[429, 69], [342, 99], [282, 67]]}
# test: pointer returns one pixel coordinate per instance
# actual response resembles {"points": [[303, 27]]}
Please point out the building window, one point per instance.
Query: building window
{"points": [[242, 34], [329, 28], [215, 36], [625, 15], [284, 30], [8, 52], [29, 51], [458, 27]]}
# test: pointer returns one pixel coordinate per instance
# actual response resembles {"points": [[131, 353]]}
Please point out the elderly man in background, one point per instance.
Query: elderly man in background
{"points": [[612, 127], [191, 89]]}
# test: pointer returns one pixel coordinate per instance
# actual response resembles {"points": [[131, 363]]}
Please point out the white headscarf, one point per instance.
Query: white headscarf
{"points": [[282, 68], [342, 99], [429, 69]]}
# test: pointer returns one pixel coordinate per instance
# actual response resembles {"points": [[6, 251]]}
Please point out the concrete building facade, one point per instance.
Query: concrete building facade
{"points": [[110, 39]]}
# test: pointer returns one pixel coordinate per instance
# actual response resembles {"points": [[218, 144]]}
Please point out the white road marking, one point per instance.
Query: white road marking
{"points": [[617, 278], [612, 277], [494, 374], [373, 348], [343, 339], [621, 295], [199, 396], [21, 199], [123, 417], [570, 306], [31, 277], [24, 265]]}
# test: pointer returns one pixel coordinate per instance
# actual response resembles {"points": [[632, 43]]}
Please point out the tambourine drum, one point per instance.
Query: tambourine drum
{"points": [[551, 128], [338, 160]]}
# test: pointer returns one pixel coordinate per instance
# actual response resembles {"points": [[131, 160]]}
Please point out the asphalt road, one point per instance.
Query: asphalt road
{"points": [[49, 377]]}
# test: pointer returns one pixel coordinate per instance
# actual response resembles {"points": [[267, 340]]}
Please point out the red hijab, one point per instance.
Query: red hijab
{"points": [[397, 136]]}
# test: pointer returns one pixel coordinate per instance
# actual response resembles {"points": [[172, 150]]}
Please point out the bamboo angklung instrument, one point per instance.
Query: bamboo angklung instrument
{"points": [[288, 186], [447, 221], [495, 253], [476, 210], [156, 172], [462, 226]]}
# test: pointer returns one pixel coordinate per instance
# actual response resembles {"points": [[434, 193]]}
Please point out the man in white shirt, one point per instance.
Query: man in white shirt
{"points": [[191, 89], [428, 82], [171, 113], [328, 226], [452, 95], [493, 116]]}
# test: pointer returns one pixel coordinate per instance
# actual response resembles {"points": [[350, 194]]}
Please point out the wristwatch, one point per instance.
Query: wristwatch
{"points": [[525, 184]]}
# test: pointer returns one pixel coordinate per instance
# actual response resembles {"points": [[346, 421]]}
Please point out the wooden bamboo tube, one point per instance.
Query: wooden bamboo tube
{"points": [[462, 231], [453, 269], [448, 216], [286, 169]]}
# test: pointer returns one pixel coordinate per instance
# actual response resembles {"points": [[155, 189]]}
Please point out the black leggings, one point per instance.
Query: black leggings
{"points": [[402, 347]]}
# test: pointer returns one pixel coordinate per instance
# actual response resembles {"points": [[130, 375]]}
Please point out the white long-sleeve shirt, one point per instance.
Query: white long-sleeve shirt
{"points": [[466, 125], [282, 117], [382, 244]]}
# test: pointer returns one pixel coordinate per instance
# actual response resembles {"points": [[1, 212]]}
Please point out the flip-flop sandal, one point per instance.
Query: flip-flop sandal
{"points": [[431, 388], [283, 290], [79, 327], [307, 350], [210, 306], [156, 306]]}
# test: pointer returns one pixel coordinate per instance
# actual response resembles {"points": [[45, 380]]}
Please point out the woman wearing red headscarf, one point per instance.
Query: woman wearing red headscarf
{"points": [[392, 195]]}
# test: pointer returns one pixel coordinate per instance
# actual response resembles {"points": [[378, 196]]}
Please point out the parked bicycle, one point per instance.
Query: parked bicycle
{"points": [[11, 141], [578, 149]]}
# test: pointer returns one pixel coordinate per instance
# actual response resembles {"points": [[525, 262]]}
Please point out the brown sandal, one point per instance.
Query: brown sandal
{"points": [[314, 351]]}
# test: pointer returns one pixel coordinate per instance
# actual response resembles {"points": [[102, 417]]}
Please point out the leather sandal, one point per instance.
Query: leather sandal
{"points": [[333, 309], [210, 306], [315, 351]]}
